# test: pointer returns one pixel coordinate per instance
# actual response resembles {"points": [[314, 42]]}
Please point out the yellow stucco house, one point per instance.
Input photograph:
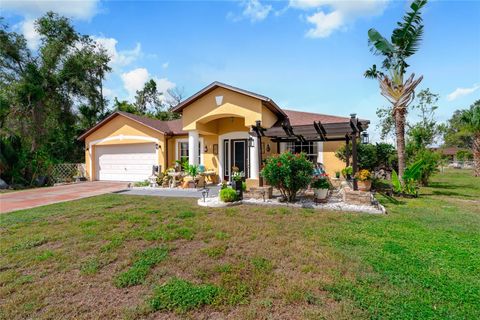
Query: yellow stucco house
{"points": [[215, 130]]}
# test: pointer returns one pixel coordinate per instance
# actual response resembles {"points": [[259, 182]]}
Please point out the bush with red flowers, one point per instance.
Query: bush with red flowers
{"points": [[288, 173]]}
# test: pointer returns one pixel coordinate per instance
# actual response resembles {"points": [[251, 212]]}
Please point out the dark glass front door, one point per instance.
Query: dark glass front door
{"points": [[239, 155]]}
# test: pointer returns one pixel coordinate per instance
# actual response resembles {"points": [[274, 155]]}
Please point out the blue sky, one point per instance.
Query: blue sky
{"points": [[306, 55]]}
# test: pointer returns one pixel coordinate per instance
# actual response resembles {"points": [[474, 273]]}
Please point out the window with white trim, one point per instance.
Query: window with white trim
{"points": [[310, 148], [183, 151]]}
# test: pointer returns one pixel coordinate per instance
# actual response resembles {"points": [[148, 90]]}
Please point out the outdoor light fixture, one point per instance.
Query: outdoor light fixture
{"points": [[156, 146], [250, 142], [365, 139], [205, 149], [268, 147]]}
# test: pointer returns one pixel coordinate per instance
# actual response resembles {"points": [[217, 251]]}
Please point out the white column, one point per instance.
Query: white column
{"points": [[254, 168], [320, 151], [193, 147]]}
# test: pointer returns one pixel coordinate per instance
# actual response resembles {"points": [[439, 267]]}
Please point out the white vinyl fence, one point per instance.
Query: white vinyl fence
{"points": [[64, 172]]}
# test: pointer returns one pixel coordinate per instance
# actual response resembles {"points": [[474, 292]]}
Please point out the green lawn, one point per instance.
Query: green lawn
{"points": [[116, 256]]}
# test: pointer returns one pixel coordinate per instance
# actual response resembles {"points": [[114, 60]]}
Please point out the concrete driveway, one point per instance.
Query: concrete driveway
{"points": [[25, 199]]}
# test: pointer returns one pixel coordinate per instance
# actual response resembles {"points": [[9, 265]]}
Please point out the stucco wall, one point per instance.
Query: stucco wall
{"points": [[331, 162], [120, 130], [200, 114]]}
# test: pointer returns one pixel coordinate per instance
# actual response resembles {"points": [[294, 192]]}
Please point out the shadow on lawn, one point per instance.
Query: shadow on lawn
{"points": [[392, 200], [448, 194], [442, 185]]}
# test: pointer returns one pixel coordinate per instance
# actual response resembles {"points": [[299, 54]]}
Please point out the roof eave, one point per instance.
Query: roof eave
{"points": [[110, 117]]}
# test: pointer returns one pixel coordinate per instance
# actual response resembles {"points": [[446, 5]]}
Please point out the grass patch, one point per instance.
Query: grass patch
{"points": [[261, 264], [186, 214], [90, 267], [144, 261], [215, 251], [221, 235], [44, 255], [28, 244], [181, 295]]}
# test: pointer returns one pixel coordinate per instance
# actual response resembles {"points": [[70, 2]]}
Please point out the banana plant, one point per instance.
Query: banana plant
{"points": [[409, 183]]}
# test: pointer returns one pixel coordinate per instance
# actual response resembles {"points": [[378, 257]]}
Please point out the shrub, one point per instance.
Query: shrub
{"points": [[430, 162], [464, 155], [228, 195], [288, 173], [144, 183], [379, 155], [180, 295]]}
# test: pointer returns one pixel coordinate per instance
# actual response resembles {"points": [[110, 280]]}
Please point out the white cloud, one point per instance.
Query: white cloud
{"points": [[253, 10], [325, 24], [119, 58], [331, 15], [76, 9], [460, 92], [163, 84], [165, 65], [27, 28], [134, 80]]}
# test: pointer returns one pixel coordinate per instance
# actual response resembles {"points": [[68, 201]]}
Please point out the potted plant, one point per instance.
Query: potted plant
{"points": [[364, 180], [337, 174], [192, 171], [320, 187], [347, 172], [237, 183]]}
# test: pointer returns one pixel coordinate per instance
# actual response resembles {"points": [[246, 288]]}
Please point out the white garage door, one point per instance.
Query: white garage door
{"points": [[125, 162]]}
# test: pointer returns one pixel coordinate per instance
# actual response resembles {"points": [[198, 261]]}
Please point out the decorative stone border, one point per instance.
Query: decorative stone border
{"points": [[214, 202]]}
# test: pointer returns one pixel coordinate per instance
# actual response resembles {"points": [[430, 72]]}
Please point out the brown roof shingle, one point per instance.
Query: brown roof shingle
{"points": [[167, 127], [172, 126], [300, 118]]}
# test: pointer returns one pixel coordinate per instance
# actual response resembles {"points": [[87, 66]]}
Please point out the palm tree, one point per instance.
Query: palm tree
{"points": [[471, 123], [405, 41]]}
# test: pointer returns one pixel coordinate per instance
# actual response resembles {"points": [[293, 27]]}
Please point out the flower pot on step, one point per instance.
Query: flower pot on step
{"points": [[364, 185]]}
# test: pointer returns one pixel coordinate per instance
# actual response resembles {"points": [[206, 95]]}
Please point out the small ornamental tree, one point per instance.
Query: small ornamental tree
{"points": [[289, 173]]}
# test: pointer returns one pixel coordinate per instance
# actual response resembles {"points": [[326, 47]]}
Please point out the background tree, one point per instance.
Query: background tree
{"points": [[152, 103], [43, 94], [471, 123], [371, 156], [404, 42], [455, 134], [424, 132]]}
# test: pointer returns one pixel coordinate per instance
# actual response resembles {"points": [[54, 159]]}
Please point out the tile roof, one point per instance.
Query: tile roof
{"points": [[299, 118], [167, 127], [171, 126]]}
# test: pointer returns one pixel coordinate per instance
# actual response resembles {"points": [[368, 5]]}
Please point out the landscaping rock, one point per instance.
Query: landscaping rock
{"points": [[3, 184]]}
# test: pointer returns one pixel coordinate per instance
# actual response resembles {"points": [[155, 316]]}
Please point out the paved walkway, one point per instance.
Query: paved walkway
{"points": [[25, 199], [166, 192]]}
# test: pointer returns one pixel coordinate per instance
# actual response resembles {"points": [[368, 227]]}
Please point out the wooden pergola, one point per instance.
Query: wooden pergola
{"points": [[348, 131]]}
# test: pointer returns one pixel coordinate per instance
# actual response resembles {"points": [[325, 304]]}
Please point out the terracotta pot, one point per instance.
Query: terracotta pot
{"points": [[364, 185], [320, 194]]}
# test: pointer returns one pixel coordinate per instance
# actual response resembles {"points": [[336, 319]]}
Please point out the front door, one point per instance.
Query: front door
{"points": [[239, 155]]}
